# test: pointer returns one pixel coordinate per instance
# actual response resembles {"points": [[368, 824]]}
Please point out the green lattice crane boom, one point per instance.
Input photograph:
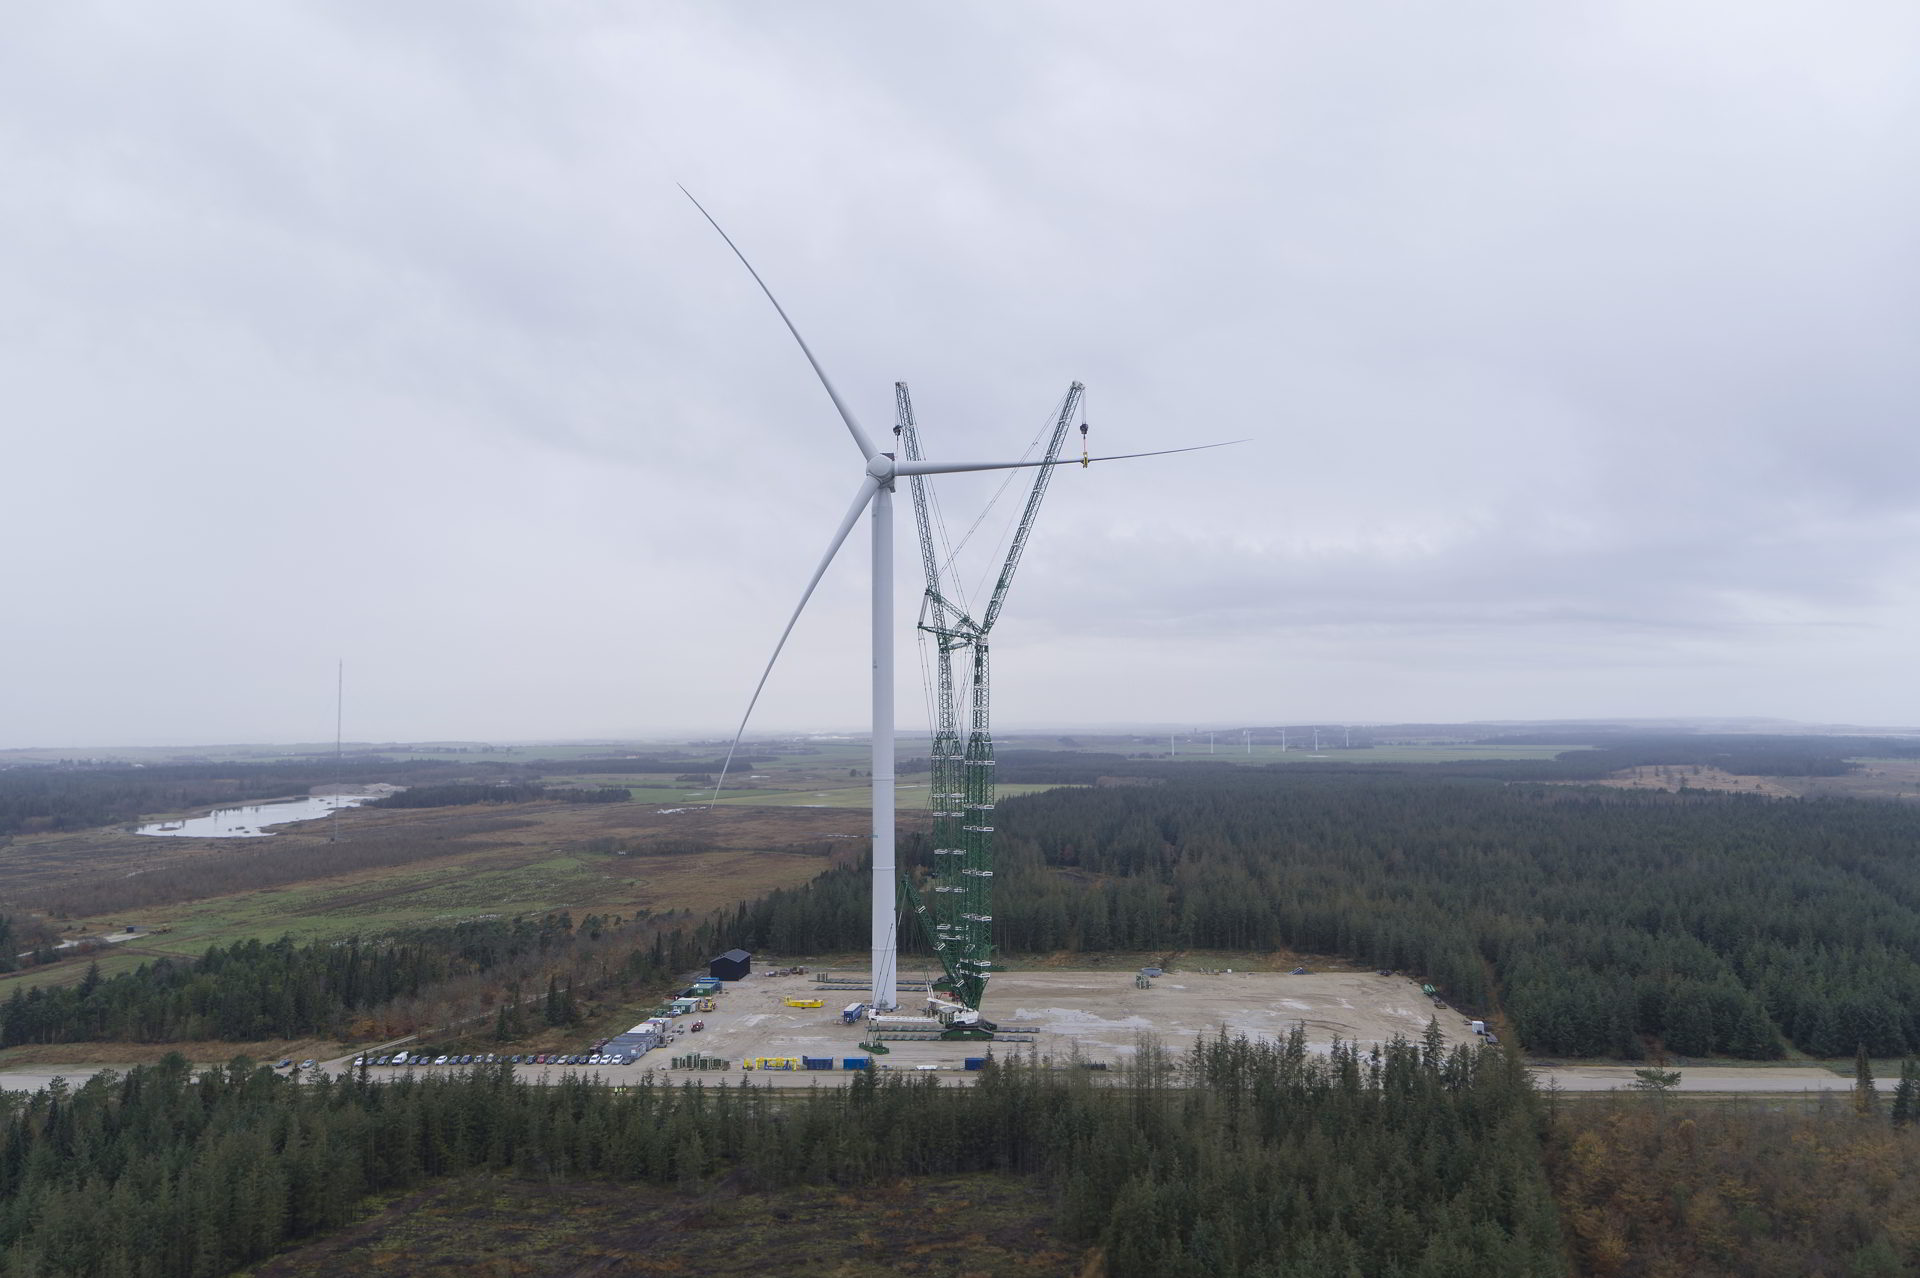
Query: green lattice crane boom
{"points": [[962, 782]]}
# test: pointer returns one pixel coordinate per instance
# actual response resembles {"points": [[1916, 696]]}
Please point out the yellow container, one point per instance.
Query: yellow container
{"points": [[805, 1002]]}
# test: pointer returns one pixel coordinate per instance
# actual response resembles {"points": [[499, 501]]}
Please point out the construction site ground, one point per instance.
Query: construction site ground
{"points": [[1090, 1016]]}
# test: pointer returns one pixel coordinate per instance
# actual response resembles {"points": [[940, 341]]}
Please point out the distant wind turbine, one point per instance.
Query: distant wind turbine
{"points": [[879, 470]]}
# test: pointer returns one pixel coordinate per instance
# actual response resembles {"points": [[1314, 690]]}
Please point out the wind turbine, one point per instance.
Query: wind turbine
{"points": [[879, 470]]}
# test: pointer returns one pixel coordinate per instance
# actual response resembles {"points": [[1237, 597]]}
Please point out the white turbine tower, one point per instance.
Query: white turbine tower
{"points": [[878, 472]]}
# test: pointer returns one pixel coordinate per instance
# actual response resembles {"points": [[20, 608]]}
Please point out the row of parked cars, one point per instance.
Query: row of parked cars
{"points": [[490, 1058]]}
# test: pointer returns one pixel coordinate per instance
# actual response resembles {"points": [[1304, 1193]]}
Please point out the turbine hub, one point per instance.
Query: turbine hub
{"points": [[881, 467]]}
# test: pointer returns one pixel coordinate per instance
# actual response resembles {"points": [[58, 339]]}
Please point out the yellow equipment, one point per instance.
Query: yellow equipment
{"points": [[805, 1002], [706, 1005], [773, 1062]]}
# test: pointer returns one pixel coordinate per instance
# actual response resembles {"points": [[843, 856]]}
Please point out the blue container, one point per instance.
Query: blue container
{"points": [[816, 1062], [976, 1062], [857, 1062]]}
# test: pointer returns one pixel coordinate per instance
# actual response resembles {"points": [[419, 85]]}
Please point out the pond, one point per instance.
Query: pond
{"points": [[251, 821]]}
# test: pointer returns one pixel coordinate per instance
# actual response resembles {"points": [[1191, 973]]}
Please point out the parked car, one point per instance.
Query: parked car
{"points": [[440, 1060], [283, 1064], [308, 1064]]}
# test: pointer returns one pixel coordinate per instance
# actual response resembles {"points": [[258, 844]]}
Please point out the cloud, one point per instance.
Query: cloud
{"points": [[384, 332]]}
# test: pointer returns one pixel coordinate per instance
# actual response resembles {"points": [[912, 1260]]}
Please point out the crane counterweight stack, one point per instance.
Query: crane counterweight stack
{"points": [[962, 782]]}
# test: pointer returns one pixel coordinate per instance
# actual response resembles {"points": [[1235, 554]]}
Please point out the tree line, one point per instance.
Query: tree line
{"points": [[254, 990], [1239, 1159]]}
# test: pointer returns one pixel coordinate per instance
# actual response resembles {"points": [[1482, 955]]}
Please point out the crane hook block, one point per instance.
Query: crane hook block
{"points": [[1085, 461]]}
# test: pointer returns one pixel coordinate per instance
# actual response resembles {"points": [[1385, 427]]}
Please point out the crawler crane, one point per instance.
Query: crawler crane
{"points": [[959, 924]]}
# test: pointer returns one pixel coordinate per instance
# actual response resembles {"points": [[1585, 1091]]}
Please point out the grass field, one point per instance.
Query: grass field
{"points": [[424, 866]]}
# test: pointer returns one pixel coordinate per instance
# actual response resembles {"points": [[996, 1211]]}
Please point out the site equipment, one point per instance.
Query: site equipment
{"points": [[962, 785]]}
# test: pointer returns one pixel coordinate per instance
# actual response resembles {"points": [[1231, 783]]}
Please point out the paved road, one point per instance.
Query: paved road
{"points": [[32, 1080], [1572, 1078], [1702, 1078]]}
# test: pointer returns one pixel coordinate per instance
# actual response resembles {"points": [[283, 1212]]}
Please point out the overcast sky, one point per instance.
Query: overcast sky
{"points": [[1575, 345]]}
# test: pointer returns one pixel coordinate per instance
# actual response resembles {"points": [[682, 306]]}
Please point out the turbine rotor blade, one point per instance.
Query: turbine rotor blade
{"points": [[860, 438], [868, 487], [947, 468]]}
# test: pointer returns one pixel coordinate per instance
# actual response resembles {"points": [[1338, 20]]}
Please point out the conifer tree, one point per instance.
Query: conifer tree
{"points": [[1906, 1096], [1866, 1098]]}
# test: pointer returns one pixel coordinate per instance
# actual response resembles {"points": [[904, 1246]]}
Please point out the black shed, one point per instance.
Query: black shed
{"points": [[730, 966]]}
